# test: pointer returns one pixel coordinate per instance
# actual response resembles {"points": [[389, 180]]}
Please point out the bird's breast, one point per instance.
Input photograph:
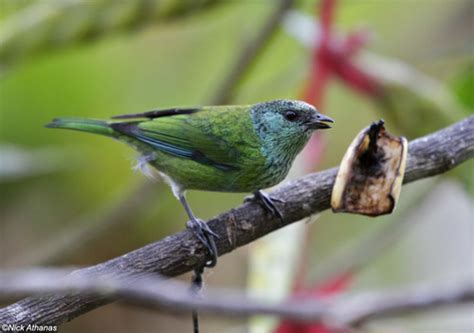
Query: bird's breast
{"points": [[274, 171]]}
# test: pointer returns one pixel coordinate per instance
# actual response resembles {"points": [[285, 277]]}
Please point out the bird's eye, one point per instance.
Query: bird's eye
{"points": [[290, 115]]}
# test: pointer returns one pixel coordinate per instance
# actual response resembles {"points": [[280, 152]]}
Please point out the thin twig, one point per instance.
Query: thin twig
{"points": [[356, 310], [250, 54], [428, 156], [151, 291]]}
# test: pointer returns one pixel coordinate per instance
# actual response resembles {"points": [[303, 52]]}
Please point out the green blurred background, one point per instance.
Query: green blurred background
{"points": [[58, 188]]}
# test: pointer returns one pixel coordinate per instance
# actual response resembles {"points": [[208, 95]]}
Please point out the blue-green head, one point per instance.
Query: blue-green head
{"points": [[284, 126], [287, 124]]}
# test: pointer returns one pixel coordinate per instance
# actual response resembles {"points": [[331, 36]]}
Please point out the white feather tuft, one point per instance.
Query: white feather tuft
{"points": [[175, 187], [143, 166]]}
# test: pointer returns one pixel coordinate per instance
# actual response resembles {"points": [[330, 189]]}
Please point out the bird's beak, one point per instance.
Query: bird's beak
{"points": [[320, 121]]}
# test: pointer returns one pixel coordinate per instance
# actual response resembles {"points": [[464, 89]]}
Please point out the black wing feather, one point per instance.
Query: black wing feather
{"points": [[158, 113]]}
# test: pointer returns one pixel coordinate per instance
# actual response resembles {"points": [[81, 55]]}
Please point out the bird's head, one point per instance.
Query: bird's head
{"points": [[288, 120], [284, 126]]}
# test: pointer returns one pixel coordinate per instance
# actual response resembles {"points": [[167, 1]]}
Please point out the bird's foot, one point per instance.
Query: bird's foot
{"points": [[267, 202], [206, 236]]}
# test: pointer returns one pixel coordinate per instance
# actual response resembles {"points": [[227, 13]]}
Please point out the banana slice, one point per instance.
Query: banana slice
{"points": [[370, 177]]}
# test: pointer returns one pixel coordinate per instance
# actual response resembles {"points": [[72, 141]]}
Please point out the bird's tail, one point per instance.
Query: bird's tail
{"points": [[84, 125]]}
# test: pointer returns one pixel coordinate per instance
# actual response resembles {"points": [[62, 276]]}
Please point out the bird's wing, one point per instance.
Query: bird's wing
{"points": [[188, 136]]}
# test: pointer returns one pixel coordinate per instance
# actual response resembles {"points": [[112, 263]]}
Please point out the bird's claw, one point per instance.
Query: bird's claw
{"points": [[206, 237], [275, 199], [205, 226], [267, 202]]}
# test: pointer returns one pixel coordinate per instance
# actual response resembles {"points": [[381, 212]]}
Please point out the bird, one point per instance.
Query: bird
{"points": [[230, 148]]}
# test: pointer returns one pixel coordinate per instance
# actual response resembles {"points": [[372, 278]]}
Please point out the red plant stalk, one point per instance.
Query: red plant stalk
{"points": [[328, 289], [331, 57], [320, 74]]}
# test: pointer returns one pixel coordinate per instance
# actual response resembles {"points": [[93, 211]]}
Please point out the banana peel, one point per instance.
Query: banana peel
{"points": [[370, 177]]}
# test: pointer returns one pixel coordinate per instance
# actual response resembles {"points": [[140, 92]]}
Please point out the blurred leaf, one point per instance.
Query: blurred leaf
{"points": [[267, 277], [463, 85], [17, 163], [414, 102], [47, 25]]}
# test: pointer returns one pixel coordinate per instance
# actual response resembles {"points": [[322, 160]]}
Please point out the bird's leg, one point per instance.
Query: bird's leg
{"points": [[206, 236], [202, 232], [267, 202]]}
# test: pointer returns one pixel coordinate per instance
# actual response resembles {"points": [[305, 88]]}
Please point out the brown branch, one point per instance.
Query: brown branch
{"points": [[154, 292], [181, 252]]}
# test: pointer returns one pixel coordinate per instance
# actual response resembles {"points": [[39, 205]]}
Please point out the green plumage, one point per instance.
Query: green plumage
{"points": [[219, 148]]}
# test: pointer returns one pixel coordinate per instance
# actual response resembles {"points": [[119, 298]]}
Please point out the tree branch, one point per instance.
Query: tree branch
{"points": [[154, 292], [182, 252]]}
